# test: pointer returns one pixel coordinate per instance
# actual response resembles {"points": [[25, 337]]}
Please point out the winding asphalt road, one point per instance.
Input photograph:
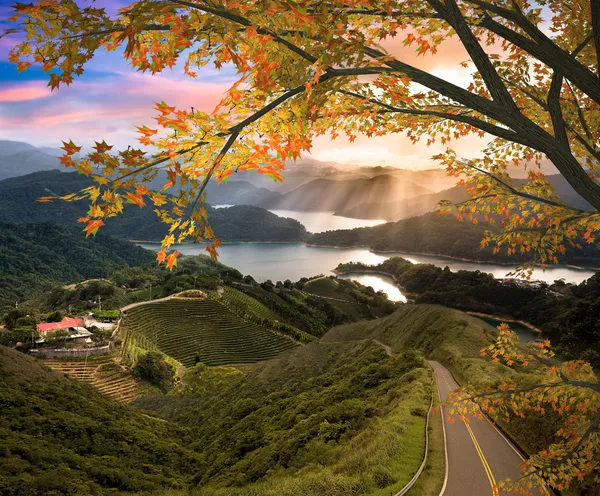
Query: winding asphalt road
{"points": [[478, 456]]}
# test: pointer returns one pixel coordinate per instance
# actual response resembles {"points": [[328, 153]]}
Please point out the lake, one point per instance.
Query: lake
{"points": [[525, 333], [316, 222], [281, 261]]}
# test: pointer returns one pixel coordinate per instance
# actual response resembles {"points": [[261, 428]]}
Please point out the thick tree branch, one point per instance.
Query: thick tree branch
{"points": [[550, 54], [452, 14], [555, 110], [443, 87], [465, 119]]}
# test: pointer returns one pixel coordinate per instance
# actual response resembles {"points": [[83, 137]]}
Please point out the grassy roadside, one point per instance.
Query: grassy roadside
{"points": [[431, 480]]}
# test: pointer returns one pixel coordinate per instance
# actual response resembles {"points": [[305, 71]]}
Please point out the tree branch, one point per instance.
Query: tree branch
{"points": [[545, 50], [449, 90], [595, 6], [521, 193], [225, 14], [466, 119], [450, 11], [555, 110]]}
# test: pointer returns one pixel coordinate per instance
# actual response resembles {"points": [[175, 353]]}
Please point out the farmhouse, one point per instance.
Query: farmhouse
{"points": [[66, 324]]}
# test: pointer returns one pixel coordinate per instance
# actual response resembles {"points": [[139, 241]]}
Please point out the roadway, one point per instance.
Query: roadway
{"points": [[478, 456]]}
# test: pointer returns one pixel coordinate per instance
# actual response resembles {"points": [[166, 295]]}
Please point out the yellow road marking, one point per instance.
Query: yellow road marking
{"points": [[486, 466]]}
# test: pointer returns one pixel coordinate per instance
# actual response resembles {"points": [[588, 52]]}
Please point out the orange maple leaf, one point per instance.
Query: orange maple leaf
{"points": [[92, 227]]}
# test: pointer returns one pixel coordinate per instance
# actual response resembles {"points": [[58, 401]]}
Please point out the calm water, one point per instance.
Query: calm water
{"points": [[295, 260], [379, 283], [525, 333], [316, 222]]}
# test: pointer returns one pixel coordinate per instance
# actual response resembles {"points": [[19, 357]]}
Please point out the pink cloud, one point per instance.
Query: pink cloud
{"points": [[183, 93], [90, 111], [24, 93]]}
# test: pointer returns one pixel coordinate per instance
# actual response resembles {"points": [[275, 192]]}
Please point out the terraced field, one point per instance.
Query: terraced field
{"points": [[186, 328], [103, 373], [241, 302]]}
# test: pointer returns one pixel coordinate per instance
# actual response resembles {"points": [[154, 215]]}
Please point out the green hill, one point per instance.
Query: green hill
{"points": [[59, 437], [189, 329], [450, 336], [36, 256], [18, 203], [334, 419]]}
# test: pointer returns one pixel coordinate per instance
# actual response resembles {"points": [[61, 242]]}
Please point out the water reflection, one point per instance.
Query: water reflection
{"points": [[379, 283], [316, 222]]}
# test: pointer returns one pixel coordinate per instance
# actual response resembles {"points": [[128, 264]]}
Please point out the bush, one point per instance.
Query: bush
{"points": [[153, 368]]}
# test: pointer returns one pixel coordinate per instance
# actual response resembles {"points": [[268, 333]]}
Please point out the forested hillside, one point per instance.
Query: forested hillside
{"points": [[320, 419], [58, 436], [36, 256], [567, 314], [439, 235], [18, 203]]}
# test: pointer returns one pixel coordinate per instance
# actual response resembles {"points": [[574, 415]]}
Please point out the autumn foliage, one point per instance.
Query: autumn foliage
{"points": [[308, 68], [571, 390]]}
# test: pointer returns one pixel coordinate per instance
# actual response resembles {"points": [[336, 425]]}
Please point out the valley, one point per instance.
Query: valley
{"points": [[304, 361]]}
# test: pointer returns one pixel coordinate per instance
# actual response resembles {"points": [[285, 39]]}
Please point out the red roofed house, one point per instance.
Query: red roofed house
{"points": [[46, 328]]}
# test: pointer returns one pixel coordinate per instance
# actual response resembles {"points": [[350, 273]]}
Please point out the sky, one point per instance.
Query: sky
{"points": [[111, 98]]}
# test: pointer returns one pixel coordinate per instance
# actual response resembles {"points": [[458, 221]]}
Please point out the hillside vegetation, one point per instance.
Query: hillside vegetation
{"points": [[449, 336], [18, 203], [61, 437], [36, 256], [438, 235], [198, 330], [333, 419], [567, 314]]}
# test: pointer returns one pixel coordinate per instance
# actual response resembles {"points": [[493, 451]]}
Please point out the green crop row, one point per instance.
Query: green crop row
{"points": [[200, 330]]}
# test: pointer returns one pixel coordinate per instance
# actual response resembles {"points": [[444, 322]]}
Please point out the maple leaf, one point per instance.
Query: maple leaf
{"points": [[92, 227], [135, 199], [70, 148], [172, 260], [161, 255]]}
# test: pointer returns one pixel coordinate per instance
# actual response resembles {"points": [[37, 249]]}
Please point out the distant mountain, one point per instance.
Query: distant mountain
{"points": [[240, 223], [397, 210], [432, 179], [18, 159], [331, 195], [238, 193]]}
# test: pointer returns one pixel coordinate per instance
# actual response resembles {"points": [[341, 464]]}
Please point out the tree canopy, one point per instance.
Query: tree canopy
{"points": [[309, 68]]}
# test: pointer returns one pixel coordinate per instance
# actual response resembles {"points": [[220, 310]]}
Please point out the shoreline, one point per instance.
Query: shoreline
{"points": [[379, 252], [222, 242], [504, 319]]}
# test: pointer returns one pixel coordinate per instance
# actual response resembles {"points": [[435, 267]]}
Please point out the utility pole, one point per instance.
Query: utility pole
{"points": [[100, 302]]}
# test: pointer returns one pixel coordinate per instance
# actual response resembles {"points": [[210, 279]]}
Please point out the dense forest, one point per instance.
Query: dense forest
{"points": [[61, 437], [567, 314], [18, 203], [36, 256], [438, 235], [58, 436]]}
